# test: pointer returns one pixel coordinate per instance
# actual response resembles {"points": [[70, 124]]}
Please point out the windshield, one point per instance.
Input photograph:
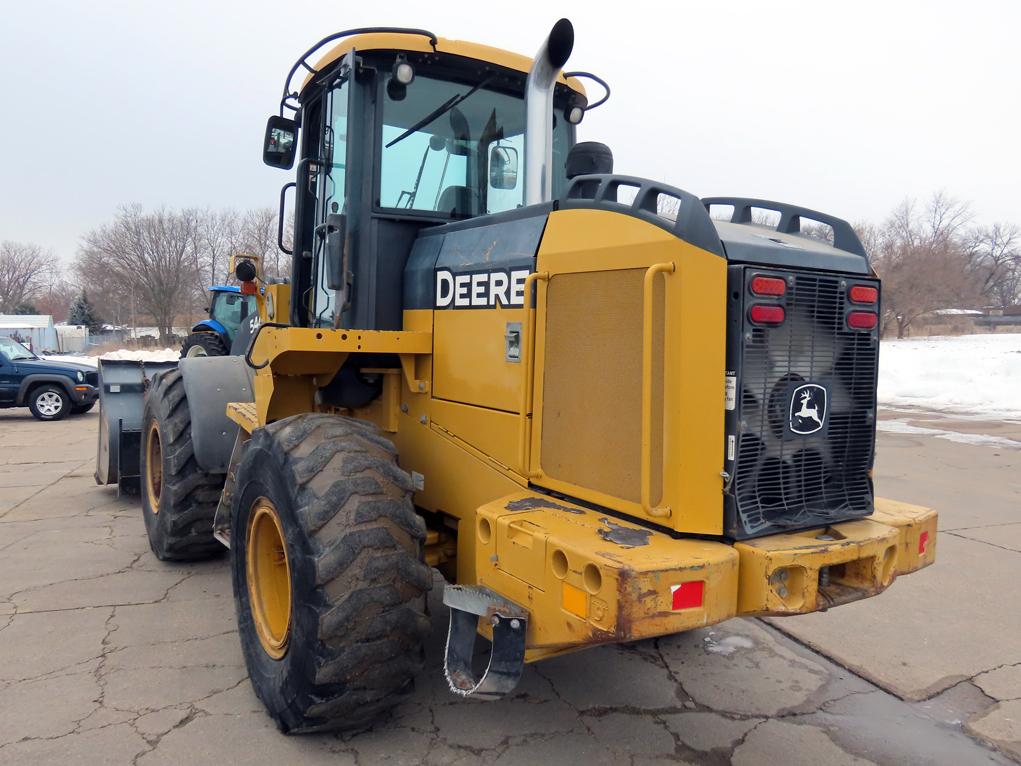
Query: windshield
{"points": [[231, 309], [437, 143], [14, 350]]}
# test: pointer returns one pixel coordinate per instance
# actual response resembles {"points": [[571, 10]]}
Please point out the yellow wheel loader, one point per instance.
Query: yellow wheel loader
{"points": [[604, 409]]}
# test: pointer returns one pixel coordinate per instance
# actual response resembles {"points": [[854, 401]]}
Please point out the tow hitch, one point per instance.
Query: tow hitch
{"points": [[507, 657]]}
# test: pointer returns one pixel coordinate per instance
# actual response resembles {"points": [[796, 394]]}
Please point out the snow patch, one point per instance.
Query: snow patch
{"points": [[727, 646], [903, 427], [161, 355], [968, 374], [137, 355]]}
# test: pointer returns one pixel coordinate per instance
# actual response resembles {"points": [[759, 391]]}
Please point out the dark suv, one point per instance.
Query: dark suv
{"points": [[50, 389]]}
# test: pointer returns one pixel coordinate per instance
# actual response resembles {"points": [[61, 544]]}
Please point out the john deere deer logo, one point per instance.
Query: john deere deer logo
{"points": [[808, 409]]}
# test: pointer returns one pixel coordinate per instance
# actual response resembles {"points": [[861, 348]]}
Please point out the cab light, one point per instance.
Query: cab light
{"points": [[763, 314], [923, 543], [862, 320], [687, 595], [769, 286], [863, 294]]}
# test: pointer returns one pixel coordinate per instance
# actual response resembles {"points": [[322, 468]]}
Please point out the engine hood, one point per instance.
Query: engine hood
{"points": [[47, 366]]}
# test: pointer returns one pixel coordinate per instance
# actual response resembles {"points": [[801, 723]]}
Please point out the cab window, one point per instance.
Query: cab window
{"points": [[230, 309], [436, 142]]}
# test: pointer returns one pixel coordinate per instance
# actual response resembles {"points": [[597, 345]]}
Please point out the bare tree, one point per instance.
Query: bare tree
{"points": [[922, 256], [25, 270], [259, 237], [218, 235], [55, 299], [152, 258], [995, 256]]}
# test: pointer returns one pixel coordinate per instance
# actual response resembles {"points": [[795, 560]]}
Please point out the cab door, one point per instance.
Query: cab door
{"points": [[322, 191]]}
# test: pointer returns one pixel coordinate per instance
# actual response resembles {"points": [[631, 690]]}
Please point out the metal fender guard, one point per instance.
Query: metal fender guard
{"points": [[211, 383]]}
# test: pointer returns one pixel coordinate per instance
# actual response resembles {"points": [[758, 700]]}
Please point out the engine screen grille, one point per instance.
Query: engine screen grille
{"points": [[804, 411]]}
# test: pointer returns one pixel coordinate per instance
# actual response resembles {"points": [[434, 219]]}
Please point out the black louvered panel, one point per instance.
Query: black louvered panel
{"points": [[786, 473]]}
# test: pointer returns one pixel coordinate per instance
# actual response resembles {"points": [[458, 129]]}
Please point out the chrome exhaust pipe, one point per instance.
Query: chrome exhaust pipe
{"points": [[542, 78]]}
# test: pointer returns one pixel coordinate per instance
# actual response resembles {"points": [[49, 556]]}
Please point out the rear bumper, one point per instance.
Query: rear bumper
{"points": [[587, 578], [816, 569]]}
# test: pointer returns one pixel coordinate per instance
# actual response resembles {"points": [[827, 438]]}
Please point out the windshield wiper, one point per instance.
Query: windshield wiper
{"points": [[439, 111]]}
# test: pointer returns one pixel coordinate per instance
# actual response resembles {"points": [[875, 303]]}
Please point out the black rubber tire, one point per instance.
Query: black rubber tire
{"points": [[49, 388], [81, 409], [209, 343], [182, 530], [358, 582]]}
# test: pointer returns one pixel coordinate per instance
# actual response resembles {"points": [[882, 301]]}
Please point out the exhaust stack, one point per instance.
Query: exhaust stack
{"points": [[542, 78]]}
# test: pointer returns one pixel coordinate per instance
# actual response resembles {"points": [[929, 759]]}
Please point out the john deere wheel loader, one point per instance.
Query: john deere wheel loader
{"points": [[601, 414]]}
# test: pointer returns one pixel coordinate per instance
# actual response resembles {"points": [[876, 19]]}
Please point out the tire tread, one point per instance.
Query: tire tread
{"points": [[353, 504]]}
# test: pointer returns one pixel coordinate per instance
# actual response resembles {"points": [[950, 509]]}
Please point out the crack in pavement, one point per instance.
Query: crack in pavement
{"points": [[983, 542], [42, 489]]}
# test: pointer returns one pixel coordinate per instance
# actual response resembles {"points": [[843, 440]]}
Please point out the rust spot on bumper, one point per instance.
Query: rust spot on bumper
{"points": [[626, 537]]}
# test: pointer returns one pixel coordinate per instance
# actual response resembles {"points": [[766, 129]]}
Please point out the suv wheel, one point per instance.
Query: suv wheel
{"points": [[49, 402]]}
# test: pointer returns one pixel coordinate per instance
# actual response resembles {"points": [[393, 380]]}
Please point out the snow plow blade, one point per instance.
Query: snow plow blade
{"points": [[122, 385]]}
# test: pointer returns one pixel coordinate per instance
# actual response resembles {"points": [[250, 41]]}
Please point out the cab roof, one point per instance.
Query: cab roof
{"points": [[403, 41]]}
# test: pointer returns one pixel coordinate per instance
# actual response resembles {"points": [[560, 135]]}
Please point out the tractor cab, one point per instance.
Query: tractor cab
{"points": [[401, 131], [228, 308]]}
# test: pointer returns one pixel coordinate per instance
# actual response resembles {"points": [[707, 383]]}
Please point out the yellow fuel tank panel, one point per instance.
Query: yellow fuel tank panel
{"points": [[618, 291]]}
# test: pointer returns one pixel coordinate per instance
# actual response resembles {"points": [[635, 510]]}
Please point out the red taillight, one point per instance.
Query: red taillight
{"points": [[923, 543], [762, 314], [862, 320], [863, 294], [687, 595], [772, 286]]}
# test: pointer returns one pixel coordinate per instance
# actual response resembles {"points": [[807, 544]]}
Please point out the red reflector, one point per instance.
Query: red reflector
{"points": [[687, 595], [768, 286], [762, 314], [862, 320], [249, 288], [923, 543], [863, 294]]}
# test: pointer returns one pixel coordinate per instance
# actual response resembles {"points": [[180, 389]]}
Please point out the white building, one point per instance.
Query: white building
{"points": [[34, 330]]}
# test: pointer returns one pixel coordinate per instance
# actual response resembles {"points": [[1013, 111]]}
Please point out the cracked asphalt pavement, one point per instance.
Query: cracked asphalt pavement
{"points": [[112, 657]]}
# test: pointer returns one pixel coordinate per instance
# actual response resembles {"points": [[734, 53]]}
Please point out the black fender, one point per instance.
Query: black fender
{"points": [[210, 383], [243, 337], [42, 377]]}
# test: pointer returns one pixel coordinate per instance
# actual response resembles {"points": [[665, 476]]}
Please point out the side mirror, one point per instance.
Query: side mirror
{"points": [[334, 231], [280, 141], [503, 167]]}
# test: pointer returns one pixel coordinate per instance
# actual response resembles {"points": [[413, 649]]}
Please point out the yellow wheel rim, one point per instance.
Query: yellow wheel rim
{"points": [[269, 578], [154, 466]]}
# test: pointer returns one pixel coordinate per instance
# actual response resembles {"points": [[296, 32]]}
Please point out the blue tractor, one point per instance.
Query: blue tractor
{"points": [[214, 336]]}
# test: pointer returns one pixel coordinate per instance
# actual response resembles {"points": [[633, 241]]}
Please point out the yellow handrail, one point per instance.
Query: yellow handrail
{"points": [[650, 277], [527, 331]]}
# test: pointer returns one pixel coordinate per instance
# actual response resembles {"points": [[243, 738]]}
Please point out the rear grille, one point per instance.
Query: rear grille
{"points": [[804, 411]]}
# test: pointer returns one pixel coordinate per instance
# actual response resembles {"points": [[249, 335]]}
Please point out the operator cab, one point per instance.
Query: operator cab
{"points": [[400, 132]]}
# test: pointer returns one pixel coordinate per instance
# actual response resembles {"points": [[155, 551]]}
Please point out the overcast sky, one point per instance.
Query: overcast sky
{"points": [[843, 107]]}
